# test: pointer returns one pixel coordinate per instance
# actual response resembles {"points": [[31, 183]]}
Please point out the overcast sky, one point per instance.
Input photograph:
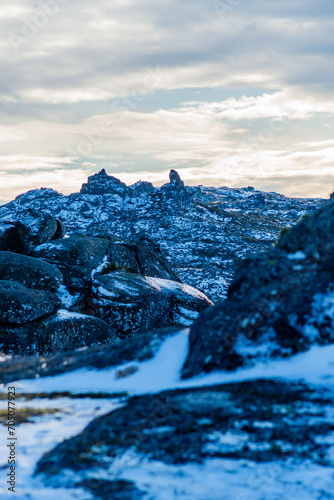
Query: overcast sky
{"points": [[228, 92]]}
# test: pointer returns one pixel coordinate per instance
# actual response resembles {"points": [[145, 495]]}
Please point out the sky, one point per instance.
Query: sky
{"points": [[228, 92]]}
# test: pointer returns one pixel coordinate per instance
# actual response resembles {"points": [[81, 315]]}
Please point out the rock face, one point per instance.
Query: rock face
{"points": [[61, 332], [19, 305], [131, 303], [9, 239], [76, 257], [279, 303], [33, 228], [102, 183], [30, 272], [176, 191], [233, 421], [131, 285]]}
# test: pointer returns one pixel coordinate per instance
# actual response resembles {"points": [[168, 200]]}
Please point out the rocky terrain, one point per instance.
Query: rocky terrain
{"points": [[168, 396]]}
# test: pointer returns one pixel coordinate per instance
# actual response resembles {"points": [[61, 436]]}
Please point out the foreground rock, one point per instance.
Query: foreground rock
{"points": [[30, 272], [255, 421], [131, 303], [279, 303], [140, 348]]}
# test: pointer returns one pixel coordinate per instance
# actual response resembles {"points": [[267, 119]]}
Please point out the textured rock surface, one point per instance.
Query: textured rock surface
{"points": [[9, 239], [30, 272], [102, 183], [234, 421], [60, 332], [131, 303], [204, 240], [279, 303], [33, 227], [76, 257], [19, 305], [140, 348]]}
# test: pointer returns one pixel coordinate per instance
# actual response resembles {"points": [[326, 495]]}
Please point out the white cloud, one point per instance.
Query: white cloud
{"points": [[94, 63]]}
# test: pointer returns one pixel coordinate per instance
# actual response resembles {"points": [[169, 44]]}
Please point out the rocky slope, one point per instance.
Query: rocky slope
{"points": [[239, 405], [204, 232]]}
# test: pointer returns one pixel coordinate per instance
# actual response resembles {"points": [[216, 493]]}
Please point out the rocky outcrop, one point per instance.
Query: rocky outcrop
{"points": [[175, 179], [140, 348], [60, 332], [142, 187], [76, 257], [19, 305], [102, 183], [30, 272], [33, 228], [106, 278], [279, 303], [242, 421], [175, 191], [131, 303]]}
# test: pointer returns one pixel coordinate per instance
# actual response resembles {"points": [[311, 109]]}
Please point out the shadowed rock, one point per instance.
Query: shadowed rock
{"points": [[30, 272], [280, 303]]}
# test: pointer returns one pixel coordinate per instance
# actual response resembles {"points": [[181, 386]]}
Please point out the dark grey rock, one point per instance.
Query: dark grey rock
{"points": [[9, 239], [61, 332], [122, 258], [278, 304], [20, 305], [29, 271], [176, 192], [102, 183], [105, 489], [140, 348], [151, 263], [254, 421], [61, 230], [175, 179], [33, 227], [76, 257], [131, 303], [142, 187]]}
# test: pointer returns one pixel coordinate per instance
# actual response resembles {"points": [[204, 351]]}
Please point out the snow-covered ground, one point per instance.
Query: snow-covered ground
{"points": [[214, 479]]}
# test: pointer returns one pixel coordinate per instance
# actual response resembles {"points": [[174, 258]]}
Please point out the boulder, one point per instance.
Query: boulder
{"points": [[140, 348], [30, 272], [60, 332], [122, 258], [33, 227], [280, 303], [76, 257], [175, 179], [131, 303], [151, 263], [19, 305], [9, 239], [142, 187]]}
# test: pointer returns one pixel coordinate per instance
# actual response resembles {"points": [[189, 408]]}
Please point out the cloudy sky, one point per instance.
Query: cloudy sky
{"points": [[229, 92]]}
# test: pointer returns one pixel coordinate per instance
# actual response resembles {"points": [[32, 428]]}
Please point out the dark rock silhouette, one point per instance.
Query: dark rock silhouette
{"points": [[102, 183], [271, 302]]}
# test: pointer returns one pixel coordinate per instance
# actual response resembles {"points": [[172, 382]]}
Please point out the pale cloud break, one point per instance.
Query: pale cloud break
{"points": [[228, 92]]}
